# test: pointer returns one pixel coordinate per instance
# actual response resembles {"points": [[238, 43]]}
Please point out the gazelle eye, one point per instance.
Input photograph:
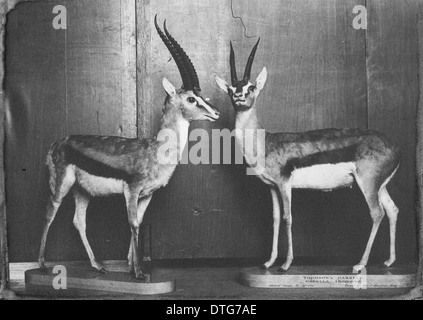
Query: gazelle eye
{"points": [[252, 88], [191, 100]]}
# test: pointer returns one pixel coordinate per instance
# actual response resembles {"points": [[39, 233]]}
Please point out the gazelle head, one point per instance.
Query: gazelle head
{"points": [[188, 100], [243, 93]]}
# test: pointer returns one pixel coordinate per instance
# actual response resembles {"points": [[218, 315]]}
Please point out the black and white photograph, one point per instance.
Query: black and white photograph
{"points": [[223, 152]]}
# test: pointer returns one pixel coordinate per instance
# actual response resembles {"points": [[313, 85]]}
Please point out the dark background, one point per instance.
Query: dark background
{"points": [[103, 76]]}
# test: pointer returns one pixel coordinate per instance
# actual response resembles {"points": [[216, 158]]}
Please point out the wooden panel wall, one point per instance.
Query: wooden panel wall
{"points": [[392, 67], [322, 73], [60, 82]]}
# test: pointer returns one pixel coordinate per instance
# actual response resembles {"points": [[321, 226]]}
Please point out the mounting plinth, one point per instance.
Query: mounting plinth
{"points": [[87, 279], [319, 277]]}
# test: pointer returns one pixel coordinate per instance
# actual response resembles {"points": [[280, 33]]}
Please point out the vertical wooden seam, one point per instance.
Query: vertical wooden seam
{"points": [[366, 59], [419, 157], [5, 292], [4, 265], [143, 79], [128, 34]]}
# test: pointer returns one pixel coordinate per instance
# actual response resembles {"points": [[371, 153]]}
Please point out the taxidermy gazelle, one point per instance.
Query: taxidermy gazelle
{"points": [[92, 166], [321, 160]]}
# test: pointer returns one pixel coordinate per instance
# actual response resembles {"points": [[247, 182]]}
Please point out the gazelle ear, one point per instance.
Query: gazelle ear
{"points": [[222, 84], [261, 79], [169, 88]]}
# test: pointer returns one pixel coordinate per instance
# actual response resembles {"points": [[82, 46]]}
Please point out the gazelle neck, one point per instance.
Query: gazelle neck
{"points": [[247, 119], [247, 125], [172, 119]]}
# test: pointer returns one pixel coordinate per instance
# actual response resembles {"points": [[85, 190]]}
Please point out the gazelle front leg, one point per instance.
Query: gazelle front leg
{"points": [[286, 193], [276, 227], [133, 222], [142, 207], [132, 198]]}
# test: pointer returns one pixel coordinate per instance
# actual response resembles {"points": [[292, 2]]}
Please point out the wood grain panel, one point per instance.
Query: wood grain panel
{"points": [[59, 82], [419, 158], [392, 51], [145, 102], [4, 255]]}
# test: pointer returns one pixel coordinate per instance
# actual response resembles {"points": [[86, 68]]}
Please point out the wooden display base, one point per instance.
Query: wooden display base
{"points": [[84, 279], [330, 277]]}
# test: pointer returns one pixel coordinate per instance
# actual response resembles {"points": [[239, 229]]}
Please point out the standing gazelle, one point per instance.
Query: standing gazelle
{"points": [[101, 166], [322, 160]]}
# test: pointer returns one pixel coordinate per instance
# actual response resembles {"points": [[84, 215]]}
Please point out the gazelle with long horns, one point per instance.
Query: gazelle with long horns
{"points": [[321, 160], [92, 166]]}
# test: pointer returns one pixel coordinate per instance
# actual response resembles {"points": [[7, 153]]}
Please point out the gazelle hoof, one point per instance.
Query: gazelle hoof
{"points": [[388, 263], [358, 268], [137, 274], [141, 277], [43, 268], [263, 267], [99, 267], [285, 267], [268, 264], [282, 270], [103, 270]]}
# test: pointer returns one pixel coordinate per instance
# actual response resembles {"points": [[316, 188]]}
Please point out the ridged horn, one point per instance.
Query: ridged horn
{"points": [[234, 75], [247, 74], [189, 66], [186, 69]]}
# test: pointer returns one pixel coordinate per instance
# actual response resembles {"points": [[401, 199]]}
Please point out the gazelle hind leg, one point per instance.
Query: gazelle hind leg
{"points": [[67, 180], [392, 212], [81, 204], [286, 193], [276, 227], [371, 194], [52, 208]]}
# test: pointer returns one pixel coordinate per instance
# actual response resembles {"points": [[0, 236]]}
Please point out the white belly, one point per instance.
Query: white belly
{"points": [[98, 186], [324, 177]]}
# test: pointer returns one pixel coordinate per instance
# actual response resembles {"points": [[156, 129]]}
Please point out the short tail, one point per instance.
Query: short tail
{"points": [[52, 171], [50, 163]]}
